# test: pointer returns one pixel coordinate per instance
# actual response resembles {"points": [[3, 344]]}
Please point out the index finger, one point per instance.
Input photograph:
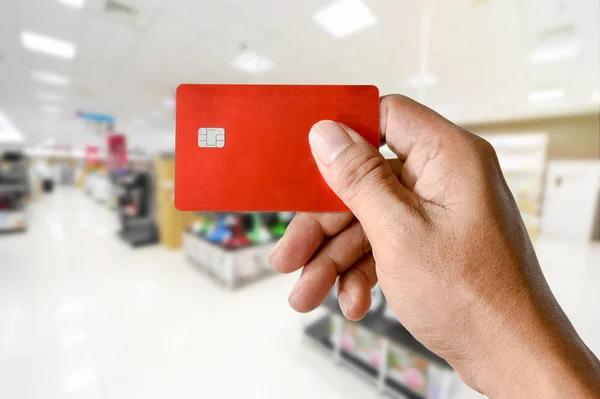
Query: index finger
{"points": [[406, 125], [304, 236]]}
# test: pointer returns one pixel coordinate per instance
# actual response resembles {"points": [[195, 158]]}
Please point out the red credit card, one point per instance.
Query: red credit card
{"points": [[245, 147]]}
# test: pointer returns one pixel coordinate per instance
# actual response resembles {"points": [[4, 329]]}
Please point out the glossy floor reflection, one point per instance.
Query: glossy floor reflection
{"points": [[82, 315]]}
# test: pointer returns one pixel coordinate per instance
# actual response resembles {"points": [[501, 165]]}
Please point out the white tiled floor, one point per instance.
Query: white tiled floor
{"points": [[82, 315]]}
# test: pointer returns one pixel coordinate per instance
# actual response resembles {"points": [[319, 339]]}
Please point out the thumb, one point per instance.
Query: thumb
{"points": [[357, 173]]}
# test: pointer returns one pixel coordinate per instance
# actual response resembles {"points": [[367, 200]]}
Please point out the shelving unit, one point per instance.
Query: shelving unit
{"points": [[389, 357], [230, 267], [522, 158], [14, 191], [136, 208]]}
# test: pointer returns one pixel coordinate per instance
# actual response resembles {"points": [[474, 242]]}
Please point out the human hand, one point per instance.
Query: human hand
{"points": [[441, 232]]}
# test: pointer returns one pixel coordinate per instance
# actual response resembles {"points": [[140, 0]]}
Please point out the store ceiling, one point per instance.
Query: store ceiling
{"points": [[472, 60]]}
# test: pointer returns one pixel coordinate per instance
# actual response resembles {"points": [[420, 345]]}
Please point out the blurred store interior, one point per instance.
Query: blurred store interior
{"points": [[107, 291]]}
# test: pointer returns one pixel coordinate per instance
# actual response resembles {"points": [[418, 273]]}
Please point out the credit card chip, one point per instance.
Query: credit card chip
{"points": [[211, 137]]}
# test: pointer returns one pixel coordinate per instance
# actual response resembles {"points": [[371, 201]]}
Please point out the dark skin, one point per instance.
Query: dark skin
{"points": [[441, 232]]}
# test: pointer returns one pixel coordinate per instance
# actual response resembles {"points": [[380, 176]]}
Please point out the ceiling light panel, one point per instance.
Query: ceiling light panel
{"points": [[555, 51], [422, 79], [51, 109], [50, 97], [77, 4], [546, 95], [48, 45], [50, 78], [343, 18], [251, 62]]}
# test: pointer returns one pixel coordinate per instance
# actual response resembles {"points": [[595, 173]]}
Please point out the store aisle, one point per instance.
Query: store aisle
{"points": [[83, 315]]}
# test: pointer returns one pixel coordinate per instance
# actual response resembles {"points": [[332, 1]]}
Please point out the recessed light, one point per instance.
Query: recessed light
{"points": [[546, 95], [343, 18], [48, 45], [78, 4], [50, 97], [50, 78], [555, 51], [422, 79], [51, 109], [251, 62]]}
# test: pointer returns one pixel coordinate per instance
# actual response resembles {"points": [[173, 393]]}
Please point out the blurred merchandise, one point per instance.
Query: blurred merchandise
{"points": [[116, 157], [282, 220], [238, 238], [258, 232]]}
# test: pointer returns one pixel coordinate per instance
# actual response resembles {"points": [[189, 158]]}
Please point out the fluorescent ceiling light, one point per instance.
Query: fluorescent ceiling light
{"points": [[8, 132], [422, 79], [251, 62], [47, 45], [555, 51], [78, 4], [343, 18], [546, 95], [51, 109], [50, 78], [50, 97]]}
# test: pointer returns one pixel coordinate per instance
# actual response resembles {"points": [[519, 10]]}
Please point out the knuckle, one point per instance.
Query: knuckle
{"points": [[361, 171], [484, 149]]}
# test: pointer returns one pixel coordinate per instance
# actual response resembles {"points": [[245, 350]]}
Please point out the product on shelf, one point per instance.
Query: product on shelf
{"points": [[258, 233], [282, 220], [208, 224], [238, 238], [222, 228]]}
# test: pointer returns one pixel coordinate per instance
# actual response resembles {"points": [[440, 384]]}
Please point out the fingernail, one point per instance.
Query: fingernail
{"points": [[345, 302], [296, 288], [327, 140]]}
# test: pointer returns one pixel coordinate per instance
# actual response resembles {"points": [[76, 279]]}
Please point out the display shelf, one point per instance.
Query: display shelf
{"points": [[135, 207], [13, 220], [230, 267], [320, 334], [399, 391], [390, 329], [14, 191], [12, 187]]}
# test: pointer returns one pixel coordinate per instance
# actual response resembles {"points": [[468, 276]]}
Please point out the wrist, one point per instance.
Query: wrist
{"points": [[548, 362]]}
